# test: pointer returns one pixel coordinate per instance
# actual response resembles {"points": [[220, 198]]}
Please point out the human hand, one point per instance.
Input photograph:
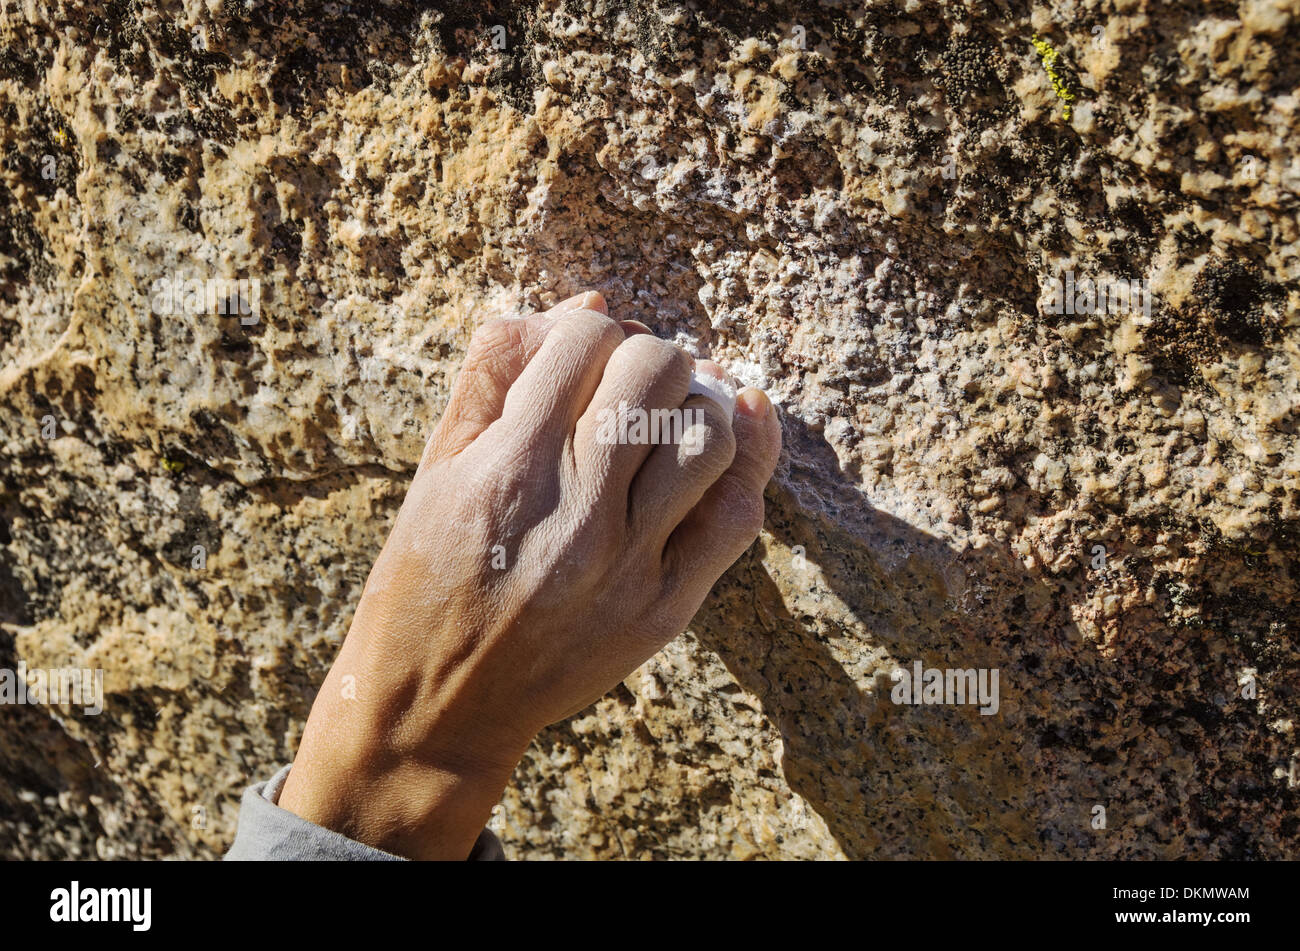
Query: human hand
{"points": [[533, 565]]}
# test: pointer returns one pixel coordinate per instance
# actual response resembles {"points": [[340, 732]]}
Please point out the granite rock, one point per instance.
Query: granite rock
{"points": [[876, 211]]}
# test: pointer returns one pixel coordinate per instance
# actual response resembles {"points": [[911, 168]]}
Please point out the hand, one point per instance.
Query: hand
{"points": [[534, 564]]}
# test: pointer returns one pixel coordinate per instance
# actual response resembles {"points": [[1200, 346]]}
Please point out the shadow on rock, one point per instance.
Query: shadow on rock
{"points": [[890, 780]]}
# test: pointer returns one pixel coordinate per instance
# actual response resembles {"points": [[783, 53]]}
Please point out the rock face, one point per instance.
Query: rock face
{"points": [[895, 216]]}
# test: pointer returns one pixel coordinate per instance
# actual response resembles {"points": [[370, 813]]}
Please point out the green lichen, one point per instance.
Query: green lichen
{"points": [[1049, 56], [174, 466]]}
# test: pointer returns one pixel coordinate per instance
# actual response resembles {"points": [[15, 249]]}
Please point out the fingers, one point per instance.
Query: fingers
{"points": [[691, 487], [497, 354], [729, 517], [644, 384], [675, 476], [557, 385]]}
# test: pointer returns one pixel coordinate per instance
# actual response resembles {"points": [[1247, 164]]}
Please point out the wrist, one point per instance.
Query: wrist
{"points": [[357, 774]]}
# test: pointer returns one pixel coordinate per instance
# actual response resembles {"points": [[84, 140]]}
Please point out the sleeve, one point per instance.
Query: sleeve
{"points": [[268, 833]]}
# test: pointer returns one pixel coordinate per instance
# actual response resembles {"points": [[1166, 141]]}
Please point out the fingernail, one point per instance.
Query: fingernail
{"points": [[588, 300], [753, 403], [715, 370], [635, 326]]}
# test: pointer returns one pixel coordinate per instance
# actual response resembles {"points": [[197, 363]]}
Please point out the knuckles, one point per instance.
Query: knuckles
{"points": [[492, 337], [588, 328], [655, 356], [745, 511], [716, 443]]}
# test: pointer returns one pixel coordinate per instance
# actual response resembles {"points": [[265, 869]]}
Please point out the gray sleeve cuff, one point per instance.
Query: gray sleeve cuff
{"points": [[268, 833]]}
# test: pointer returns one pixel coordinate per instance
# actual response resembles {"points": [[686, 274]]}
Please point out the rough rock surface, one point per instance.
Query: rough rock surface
{"points": [[863, 208]]}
